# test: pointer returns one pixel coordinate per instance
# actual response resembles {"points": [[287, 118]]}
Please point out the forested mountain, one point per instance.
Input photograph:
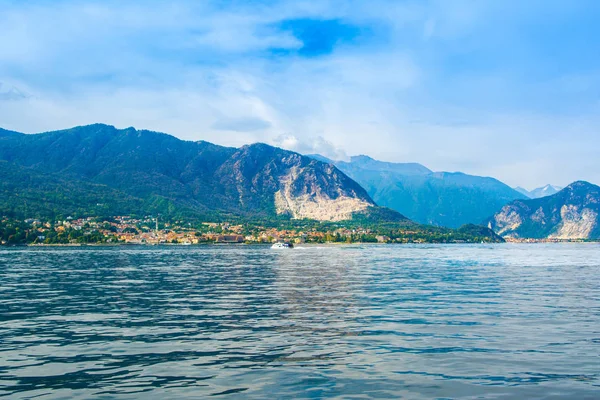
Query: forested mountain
{"points": [[137, 170]]}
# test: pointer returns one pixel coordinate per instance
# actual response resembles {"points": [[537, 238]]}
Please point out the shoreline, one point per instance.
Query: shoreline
{"points": [[80, 245]]}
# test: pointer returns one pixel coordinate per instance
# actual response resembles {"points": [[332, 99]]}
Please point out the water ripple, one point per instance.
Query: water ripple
{"points": [[419, 322]]}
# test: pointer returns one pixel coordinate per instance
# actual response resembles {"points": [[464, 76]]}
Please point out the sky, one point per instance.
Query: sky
{"points": [[502, 88]]}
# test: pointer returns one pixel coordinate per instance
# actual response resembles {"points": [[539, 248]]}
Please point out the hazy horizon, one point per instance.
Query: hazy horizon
{"points": [[502, 89]]}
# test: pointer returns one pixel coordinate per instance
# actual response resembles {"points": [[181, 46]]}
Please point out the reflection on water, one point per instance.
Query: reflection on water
{"points": [[502, 321]]}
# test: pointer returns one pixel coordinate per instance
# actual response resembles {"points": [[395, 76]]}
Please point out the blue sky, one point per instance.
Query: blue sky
{"points": [[509, 89]]}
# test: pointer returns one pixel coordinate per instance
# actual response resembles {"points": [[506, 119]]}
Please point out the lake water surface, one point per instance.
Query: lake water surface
{"points": [[354, 322]]}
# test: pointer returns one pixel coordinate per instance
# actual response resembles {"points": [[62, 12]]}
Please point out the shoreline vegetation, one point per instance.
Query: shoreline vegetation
{"points": [[149, 230]]}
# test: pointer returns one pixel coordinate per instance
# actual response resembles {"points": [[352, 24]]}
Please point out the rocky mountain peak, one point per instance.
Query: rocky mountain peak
{"points": [[572, 213]]}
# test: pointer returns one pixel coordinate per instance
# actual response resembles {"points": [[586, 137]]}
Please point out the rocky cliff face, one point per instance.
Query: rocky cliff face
{"points": [[577, 222], [309, 200], [154, 167], [291, 184], [571, 213]]}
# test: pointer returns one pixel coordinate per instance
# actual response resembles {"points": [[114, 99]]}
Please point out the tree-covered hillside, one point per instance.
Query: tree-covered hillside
{"points": [[144, 171]]}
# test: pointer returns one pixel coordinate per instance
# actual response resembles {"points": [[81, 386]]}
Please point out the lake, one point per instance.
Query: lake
{"points": [[502, 321]]}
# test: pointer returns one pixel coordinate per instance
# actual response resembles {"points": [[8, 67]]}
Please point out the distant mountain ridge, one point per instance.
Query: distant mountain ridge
{"points": [[363, 162], [543, 191], [449, 199], [572, 213], [157, 171]]}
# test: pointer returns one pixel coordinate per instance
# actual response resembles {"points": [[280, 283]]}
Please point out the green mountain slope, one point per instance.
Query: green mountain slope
{"points": [[27, 192], [161, 170]]}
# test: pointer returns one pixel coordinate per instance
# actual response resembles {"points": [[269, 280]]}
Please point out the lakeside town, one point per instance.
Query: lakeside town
{"points": [[149, 231], [128, 230]]}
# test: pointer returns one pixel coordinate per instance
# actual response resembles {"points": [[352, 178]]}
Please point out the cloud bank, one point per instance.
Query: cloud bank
{"points": [[507, 89]]}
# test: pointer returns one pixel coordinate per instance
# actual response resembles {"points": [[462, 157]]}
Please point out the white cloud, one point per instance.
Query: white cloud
{"points": [[200, 70], [311, 145]]}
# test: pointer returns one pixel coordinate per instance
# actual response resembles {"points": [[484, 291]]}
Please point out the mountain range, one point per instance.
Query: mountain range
{"points": [[572, 213], [543, 191], [449, 199], [98, 169], [101, 170]]}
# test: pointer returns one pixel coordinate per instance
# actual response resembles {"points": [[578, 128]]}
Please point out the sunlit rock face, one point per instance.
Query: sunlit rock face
{"points": [[302, 196], [292, 184], [571, 213], [507, 221], [576, 223]]}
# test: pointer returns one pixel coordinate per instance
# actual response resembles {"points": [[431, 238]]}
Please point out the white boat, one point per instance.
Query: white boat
{"points": [[282, 245]]}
